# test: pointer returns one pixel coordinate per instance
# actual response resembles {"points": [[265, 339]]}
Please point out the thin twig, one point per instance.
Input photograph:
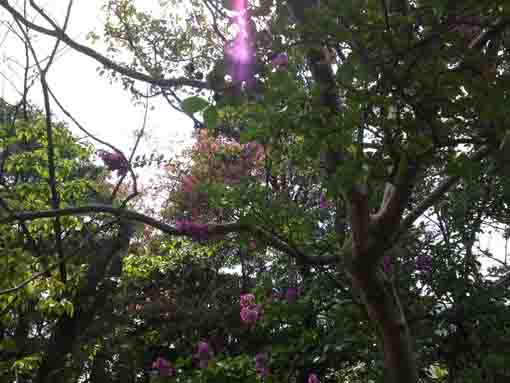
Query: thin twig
{"points": [[36, 275], [94, 137], [55, 201], [57, 32], [131, 156]]}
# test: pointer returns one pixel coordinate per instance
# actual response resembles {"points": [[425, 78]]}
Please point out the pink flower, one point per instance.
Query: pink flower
{"points": [[195, 229], [252, 244], [312, 378], [163, 366], [280, 60], [113, 161], [249, 315], [246, 300], [182, 225]]}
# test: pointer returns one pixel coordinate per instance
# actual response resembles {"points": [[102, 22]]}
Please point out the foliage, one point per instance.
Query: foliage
{"points": [[326, 225]]}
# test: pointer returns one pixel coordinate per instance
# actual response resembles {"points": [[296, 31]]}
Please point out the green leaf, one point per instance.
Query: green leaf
{"points": [[193, 104], [211, 117]]}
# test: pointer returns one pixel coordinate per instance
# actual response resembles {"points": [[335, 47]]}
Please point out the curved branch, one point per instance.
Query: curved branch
{"points": [[212, 230], [36, 275], [60, 34], [436, 195]]}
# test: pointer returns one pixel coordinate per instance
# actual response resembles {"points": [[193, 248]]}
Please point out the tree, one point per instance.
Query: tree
{"points": [[372, 116]]}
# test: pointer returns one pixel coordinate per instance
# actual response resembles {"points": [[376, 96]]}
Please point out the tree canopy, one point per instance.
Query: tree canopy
{"points": [[326, 225]]}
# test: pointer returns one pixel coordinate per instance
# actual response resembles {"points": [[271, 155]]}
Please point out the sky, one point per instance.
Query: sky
{"points": [[103, 108]]}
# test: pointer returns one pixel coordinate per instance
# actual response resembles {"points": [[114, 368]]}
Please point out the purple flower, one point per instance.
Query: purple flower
{"points": [[291, 294], [204, 350], [204, 354], [163, 366], [312, 378], [280, 60], [261, 364], [387, 264], [323, 202]]}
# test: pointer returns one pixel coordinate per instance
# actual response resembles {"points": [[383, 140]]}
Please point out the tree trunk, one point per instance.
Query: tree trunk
{"points": [[383, 307]]}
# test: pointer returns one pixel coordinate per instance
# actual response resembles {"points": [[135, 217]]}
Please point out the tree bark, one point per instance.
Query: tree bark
{"points": [[384, 309]]}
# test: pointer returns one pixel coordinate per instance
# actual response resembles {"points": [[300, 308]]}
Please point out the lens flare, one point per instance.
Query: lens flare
{"points": [[240, 49]]}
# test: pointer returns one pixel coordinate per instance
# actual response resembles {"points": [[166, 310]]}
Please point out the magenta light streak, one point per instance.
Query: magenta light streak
{"points": [[240, 48]]}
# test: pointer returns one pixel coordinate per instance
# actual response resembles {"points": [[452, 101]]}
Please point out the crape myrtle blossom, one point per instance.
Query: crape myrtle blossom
{"points": [[204, 354], [163, 367], [261, 364], [250, 312], [216, 161], [113, 161], [195, 229], [280, 60], [246, 300], [323, 202], [312, 378], [250, 315]]}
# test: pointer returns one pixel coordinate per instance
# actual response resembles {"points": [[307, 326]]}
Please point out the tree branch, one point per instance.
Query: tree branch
{"points": [[213, 230], [436, 195], [58, 33], [36, 275], [52, 182]]}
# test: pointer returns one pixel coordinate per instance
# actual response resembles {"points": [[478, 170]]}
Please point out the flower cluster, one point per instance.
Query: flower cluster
{"points": [[261, 364], [250, 312], [323, 202], [215, 161], [224, 159], [195, 229], [204, 354], [280, 60], [163, 367], [312, 378], [113, 161]]}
